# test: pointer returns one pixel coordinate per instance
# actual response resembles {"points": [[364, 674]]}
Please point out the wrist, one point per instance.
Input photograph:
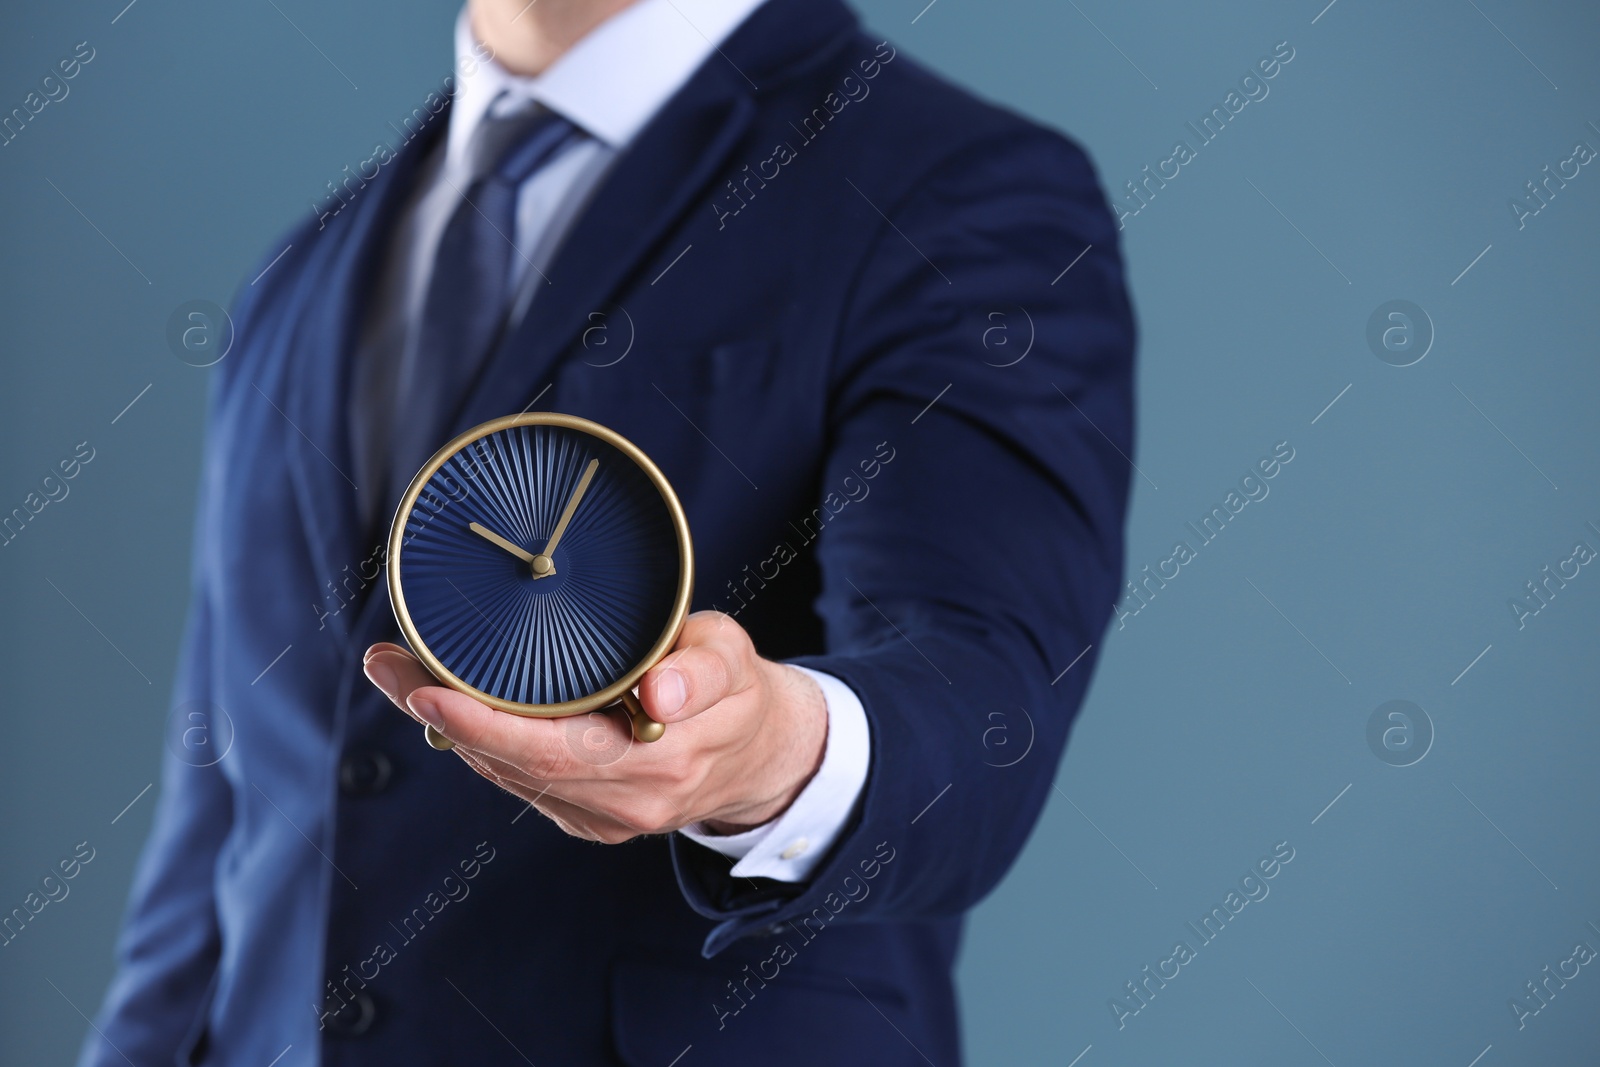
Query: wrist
{"points": [[794, 733]]}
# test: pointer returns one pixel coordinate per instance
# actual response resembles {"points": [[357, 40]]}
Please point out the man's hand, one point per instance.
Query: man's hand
{"points": [[747, 735]]}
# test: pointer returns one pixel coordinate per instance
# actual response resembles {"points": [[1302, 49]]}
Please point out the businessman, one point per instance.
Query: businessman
{"points": [[875, 333]]}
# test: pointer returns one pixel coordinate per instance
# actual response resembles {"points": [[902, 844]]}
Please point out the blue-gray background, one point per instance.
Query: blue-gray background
{"points": [[1226, 715]]}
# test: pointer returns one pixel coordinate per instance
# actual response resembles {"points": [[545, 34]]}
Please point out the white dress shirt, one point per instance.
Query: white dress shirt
{"points": [[609, 84]]}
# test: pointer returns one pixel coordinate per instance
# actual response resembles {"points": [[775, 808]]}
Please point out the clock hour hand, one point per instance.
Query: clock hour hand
{"points": [[543, 564], [495, 539]]}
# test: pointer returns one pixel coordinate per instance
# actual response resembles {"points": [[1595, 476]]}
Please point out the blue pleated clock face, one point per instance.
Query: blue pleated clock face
{"points": [[540, 563]]}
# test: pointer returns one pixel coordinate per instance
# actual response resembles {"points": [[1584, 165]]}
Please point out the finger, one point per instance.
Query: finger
{"points": [[605, 811], [712, 662], [573, 819], [615, 797], [592, 743], [396, 672], [507, 777], [582, 823], [512, 777], [537, 747], [399, 674], [403, 679], [598, 824], [597, 744]]}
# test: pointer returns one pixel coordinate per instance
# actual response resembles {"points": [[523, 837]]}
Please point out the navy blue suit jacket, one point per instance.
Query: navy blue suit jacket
{"points": [[899, 431]]}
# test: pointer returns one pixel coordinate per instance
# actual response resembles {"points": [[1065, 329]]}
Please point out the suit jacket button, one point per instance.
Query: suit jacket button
{"points": [[364, 774], [354, 1019]]}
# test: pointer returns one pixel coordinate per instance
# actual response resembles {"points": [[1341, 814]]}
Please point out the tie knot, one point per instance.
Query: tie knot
{"points": [[511, 147]]}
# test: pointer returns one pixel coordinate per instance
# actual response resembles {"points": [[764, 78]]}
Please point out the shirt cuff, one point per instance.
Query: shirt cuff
{"points": [[790, 846]]}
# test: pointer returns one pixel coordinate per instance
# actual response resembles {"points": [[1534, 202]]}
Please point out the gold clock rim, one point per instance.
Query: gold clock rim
{"points": [[675, 620]]}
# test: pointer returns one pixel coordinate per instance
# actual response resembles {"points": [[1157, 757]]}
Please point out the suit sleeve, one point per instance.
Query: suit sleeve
{"points": [[167, 952], [983, 376], [169, 946]]}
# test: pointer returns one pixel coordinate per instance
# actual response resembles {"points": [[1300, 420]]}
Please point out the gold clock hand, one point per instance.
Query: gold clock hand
{"points": [[496, 539], [543, 565]]}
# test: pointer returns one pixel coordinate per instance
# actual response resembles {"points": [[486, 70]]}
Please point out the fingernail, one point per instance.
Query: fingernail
{"points": [[382, 677], [426, 710], [670, 692]]}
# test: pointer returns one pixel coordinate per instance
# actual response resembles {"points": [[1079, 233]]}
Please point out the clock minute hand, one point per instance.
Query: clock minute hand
{"points": [[495, 539], [543, 564]]}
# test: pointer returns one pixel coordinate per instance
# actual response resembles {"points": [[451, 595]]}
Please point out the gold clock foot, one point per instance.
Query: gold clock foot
{"points": [[438, 740], [645, 729]]}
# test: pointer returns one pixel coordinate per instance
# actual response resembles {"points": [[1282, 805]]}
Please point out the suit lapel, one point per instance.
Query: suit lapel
{"points": [[337, 288], [649, 187]]}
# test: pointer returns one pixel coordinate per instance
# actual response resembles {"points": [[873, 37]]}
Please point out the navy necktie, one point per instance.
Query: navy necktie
{"points": [[469, 292]]}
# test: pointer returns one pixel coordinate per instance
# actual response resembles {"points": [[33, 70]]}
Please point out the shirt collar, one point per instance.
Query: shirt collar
{"points": [[612, 81]]}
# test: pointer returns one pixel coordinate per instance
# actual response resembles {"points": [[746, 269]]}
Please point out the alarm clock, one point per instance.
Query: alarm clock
{"points": [[541, 564]]}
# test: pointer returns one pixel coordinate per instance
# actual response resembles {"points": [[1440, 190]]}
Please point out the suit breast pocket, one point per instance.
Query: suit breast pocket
{"points": [[669, 398], [620, 365]]}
